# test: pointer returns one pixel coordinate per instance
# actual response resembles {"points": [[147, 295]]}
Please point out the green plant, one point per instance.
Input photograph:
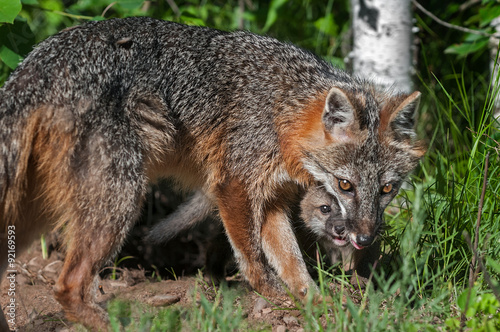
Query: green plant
{"points": [[43, 245], [133, 316], [481, 309], [117, 262]]}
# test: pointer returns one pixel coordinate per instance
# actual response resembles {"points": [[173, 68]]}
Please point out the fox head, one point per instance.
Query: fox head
{"points": [[360, 150], [321, 213]]}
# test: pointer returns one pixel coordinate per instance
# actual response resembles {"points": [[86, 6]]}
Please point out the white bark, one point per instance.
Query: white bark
{"points": [[494, 63], [382, 31]]}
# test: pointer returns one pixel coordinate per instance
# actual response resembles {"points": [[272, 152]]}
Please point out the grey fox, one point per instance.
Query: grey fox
{"points": [[96, 111], [318, 209]]}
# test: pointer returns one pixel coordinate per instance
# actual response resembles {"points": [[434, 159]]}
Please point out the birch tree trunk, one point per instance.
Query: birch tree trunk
{"points": [[494, 63], [382, 31]]}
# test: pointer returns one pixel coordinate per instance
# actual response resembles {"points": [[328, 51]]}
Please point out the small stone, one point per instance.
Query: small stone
{"points": [[52, 270], [260, 304], [34, 264], [163, 300], [281, 328], [117, 284], [266, 311], [290, 320]]}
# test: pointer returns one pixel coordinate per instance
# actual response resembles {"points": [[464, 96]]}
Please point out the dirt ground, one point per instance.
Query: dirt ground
{"points": [[38, 311], [177, 263]]}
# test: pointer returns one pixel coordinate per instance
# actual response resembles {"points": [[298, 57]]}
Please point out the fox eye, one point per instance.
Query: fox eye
{"points": [[345, 185], [387, 188], [325, 209]]}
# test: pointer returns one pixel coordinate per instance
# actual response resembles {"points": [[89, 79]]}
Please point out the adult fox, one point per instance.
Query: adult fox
{"points": [[98, 110]]}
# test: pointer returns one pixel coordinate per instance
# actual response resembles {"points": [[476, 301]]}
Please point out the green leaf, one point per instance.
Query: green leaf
{"points": [[189, 20], [493, 264], [462, 300], [452, 323], [326, 25], [29, 2], [18, 37], [487, 14], [9, 10], [272, 13], [466, 48], [130, 4], [9, 57]]}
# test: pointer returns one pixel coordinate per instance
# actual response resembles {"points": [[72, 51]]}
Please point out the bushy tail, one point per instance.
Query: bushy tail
{"points": [[196, 209], [15, 148]]}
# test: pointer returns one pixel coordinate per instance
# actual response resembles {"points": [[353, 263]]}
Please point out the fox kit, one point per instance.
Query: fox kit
{"points": [[96, 111], [322, 214]]}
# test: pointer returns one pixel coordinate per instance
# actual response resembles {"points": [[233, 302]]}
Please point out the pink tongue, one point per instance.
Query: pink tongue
{"points": [[357, 246]]}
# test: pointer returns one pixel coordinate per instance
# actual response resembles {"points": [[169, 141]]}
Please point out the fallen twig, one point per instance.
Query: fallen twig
{"points": [[474, 266]]}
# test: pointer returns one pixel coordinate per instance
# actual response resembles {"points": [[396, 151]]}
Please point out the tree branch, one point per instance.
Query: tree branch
{"points": [[449, 25], [487, 278], [468, 4], [475, 257], [479, 213]]}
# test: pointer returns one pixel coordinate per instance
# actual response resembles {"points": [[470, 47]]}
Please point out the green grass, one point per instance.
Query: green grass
{"points": [[211, 310], [127, 316]]}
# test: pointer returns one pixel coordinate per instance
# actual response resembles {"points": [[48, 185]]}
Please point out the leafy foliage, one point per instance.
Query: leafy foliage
{"points": [[316, 25], [9, 10]]}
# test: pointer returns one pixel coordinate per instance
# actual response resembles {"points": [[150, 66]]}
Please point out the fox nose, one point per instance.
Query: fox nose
{"points": [[339, 229], [364, 240]]}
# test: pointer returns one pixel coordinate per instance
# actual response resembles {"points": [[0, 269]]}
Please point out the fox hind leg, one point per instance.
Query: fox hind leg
{"points": [[107, 187], [93, 238]]}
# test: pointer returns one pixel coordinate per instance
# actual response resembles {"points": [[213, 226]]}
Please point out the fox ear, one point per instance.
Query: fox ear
{"points": [[338, 114], [400, 122], [402, 119]]}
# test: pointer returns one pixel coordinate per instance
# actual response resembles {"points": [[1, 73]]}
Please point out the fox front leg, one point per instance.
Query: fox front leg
{"points": [[284, 255], [263, 242]]}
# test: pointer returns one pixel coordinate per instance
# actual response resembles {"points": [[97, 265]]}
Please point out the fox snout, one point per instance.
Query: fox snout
{"points": [[361, 241], [336, 231], [339, 229], [342, 235], [359, 227], [364, 240], [364, 232]]}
